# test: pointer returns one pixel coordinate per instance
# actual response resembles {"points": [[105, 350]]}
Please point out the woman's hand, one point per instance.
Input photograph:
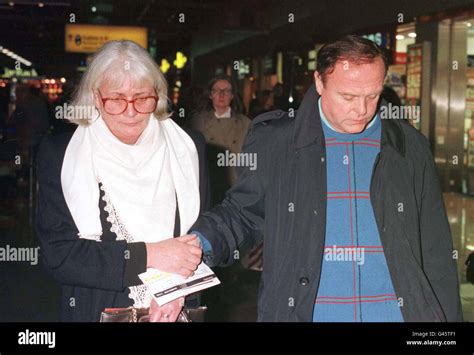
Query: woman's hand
{"points": [[169, 312], [180, 255]]}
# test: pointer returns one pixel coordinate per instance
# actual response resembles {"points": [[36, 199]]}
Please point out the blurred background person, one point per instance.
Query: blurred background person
{"points": [[223, 127], [262, 103], [31, 116], [280, 100]]}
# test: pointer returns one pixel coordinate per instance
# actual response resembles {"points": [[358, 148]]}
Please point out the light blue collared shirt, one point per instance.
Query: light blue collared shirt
{"points": [[326, 122]]}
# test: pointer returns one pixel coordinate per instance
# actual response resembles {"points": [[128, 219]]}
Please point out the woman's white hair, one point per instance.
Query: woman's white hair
{"points": [[113, 63]]}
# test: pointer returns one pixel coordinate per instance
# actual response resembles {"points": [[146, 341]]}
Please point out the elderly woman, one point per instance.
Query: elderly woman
{"points": [[114, 193]]}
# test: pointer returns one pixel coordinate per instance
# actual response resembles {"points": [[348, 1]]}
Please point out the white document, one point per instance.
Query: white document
{"points": [[166, 287]]}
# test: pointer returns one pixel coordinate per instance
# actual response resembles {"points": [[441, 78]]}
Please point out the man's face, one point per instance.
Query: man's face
{"points": [[350, 94]]}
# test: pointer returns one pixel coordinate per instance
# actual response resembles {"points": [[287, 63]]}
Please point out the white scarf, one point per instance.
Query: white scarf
{"points": [[130, 175]]}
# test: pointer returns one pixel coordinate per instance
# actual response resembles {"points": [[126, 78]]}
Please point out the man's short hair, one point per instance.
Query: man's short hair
{"points": [[354, 49]]}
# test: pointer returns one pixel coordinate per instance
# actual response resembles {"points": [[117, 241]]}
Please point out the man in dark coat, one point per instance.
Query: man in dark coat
{"points": [[347, 202]]}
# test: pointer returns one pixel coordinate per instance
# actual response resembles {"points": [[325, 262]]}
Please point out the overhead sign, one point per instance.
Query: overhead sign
{"points": [[18, 73], [89, 38]]}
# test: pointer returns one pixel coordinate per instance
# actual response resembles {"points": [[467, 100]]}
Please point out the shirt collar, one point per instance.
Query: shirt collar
{"points": [[226, 114], [326, 122]]}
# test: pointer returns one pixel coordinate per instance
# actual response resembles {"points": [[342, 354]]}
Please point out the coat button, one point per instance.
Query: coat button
{"points": [[304, 281], [322, 159]]}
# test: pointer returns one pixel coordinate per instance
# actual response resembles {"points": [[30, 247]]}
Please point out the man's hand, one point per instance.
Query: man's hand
{"points": [[169, 312], [180, 255]]}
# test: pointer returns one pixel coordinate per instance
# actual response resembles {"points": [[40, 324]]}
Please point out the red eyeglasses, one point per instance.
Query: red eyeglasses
{"points": [[117, 106]]}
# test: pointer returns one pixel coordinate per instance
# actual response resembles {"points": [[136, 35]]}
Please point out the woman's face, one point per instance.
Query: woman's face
{"points": [[129, 125], [221, 94]]}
